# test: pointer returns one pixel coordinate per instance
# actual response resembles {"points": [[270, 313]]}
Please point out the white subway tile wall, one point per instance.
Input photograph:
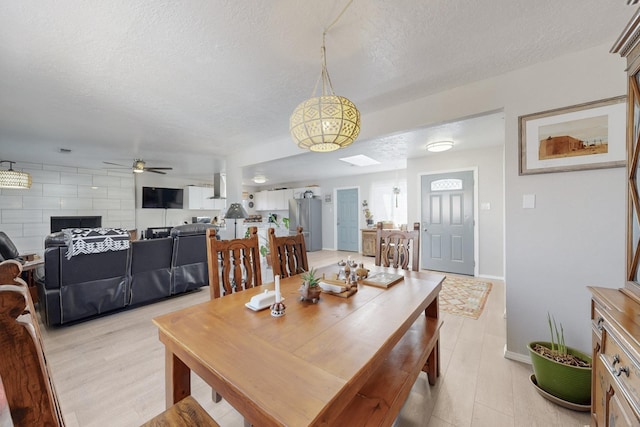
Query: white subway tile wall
{"points": [[64, 191]]}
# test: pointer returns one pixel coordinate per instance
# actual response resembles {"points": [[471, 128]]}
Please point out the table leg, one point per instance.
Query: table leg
{"points": [[177, 379]]}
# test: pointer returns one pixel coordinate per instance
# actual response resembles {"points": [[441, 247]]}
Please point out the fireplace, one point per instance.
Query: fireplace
{"points": [[60, 222]]}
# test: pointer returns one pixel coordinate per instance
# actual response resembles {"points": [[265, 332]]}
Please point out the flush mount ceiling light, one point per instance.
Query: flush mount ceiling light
{"points": [[439, 146], [259, 179], [327, 122], [360, 160], [13, 179]]}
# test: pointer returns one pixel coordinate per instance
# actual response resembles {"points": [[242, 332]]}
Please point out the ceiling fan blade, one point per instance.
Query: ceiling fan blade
{"points": [[115, 164], [154, 171], [161, 169]]}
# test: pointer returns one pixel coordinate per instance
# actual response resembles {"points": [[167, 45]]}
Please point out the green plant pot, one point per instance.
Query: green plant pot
{"points": [[569, 383]]}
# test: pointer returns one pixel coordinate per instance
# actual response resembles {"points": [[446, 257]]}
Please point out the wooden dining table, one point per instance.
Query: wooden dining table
{"points": [[300, 369]]}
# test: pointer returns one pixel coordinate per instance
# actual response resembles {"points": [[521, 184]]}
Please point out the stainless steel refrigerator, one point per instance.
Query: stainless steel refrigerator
{"points": [[307, 213]]}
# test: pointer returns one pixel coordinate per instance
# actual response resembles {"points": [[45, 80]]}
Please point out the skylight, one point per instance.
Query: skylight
{"points": [[360, 160]]}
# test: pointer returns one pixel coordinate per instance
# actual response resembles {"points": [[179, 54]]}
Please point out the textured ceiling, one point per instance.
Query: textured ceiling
{"points": [[184, 84]]}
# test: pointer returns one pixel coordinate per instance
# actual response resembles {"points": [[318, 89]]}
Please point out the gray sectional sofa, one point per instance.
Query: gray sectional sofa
{"points": [[89, 285]]}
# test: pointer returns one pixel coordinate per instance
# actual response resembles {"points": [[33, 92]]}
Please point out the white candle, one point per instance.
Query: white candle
{"points": [[278, 296]]}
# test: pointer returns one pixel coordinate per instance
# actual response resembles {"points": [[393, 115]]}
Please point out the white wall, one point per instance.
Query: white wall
{"points": [[576, 234], [64, 191], [490, 223]]}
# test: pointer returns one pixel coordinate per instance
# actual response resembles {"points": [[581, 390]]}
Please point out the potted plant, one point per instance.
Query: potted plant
{"points": [[368, 215], [310, 288], [264, 247], [561, 370]]}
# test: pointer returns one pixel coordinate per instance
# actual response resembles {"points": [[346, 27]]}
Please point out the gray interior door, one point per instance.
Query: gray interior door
{"points": [[347, 217], [448, 222]]}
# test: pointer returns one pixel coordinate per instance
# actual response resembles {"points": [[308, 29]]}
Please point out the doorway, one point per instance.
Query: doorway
{"points": [[347, 219], [448, 222]]}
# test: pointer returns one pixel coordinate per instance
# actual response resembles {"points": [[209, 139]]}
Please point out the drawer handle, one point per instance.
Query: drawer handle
{"points": [[616, 360], [600, 322], [621, 370]]}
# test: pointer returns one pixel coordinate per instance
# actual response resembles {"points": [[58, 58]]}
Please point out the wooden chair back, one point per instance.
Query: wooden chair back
{"points": [[25, 378], [396, 248], [234, 265], [24, 372], [288, 254]]}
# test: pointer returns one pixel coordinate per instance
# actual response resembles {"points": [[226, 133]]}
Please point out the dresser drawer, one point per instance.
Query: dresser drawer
{"points": [[623, 364]]}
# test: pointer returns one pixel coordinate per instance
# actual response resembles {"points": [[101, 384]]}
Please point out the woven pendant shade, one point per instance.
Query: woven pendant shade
{"points": [[325, 123], [14, 179]]}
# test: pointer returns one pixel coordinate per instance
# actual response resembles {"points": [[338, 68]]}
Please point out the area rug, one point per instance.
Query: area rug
{"points": [[464, 297]]}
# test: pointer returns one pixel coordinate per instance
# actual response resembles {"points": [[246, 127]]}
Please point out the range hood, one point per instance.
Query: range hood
{"points": [[219, 186]]}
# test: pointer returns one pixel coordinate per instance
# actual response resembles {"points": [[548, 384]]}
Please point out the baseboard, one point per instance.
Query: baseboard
{"points": [[485, 276], [518, 357]]}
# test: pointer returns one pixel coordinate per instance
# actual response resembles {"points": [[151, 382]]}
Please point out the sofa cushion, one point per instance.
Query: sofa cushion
{"points": [[191, 229]]}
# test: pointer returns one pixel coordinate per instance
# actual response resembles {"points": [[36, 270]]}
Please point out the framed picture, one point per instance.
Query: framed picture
{"points": [[327, 198], [585, 136]]}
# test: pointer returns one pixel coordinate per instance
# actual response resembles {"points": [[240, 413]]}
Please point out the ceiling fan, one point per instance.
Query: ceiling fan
{"points": [[139, 167]]}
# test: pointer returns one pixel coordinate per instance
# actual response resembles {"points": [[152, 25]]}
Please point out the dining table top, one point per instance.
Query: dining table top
{"points": [[302, 368]]}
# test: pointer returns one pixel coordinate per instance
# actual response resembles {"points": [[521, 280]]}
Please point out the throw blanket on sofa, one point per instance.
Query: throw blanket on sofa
{"points": [[95, 240]]}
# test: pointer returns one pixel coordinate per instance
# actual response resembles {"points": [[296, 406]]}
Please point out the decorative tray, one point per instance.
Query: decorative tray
{"points": [[383, 280]]}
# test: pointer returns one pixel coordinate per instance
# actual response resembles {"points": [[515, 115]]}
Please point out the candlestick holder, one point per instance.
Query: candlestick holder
{"points": [[277, 309]]}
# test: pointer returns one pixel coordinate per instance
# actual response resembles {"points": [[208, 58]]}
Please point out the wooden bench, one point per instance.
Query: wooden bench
{"points": [[24, 372], [380, 400]]}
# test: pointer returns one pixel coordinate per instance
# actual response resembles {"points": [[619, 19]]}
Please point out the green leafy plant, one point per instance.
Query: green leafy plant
{"points": [[264, 250], [285, 221], [310, 276]]}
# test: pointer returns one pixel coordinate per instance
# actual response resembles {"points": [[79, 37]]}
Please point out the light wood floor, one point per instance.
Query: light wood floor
{"points": [[110, 371]]}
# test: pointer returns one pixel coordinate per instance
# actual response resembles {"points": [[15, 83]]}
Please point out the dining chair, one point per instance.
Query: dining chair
{"points": [[396, 248], [234, 265], [26, 384], [288, 254]]}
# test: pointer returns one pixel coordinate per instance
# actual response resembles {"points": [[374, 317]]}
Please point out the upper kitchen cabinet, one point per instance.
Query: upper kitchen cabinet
{"points": [[200, 198], [273, 200]]}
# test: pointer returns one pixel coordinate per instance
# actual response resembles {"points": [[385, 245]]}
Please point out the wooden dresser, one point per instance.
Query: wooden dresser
{"points": [[368, 241], [615, 313], [615, 382]]}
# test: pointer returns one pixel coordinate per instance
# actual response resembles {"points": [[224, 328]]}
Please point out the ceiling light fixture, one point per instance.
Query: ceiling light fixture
{"points": [[439, 146], [259, 179], [13, 179], [138, 166], [327, 122]]}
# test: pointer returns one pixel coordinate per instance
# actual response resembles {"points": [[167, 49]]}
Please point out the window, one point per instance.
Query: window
{"points": [[446, 184], [382, 202]]}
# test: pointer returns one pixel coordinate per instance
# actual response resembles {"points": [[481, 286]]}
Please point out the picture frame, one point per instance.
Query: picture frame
{"points": [[580, 137]]}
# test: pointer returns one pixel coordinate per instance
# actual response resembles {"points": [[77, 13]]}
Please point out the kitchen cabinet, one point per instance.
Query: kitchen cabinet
{"points": [[198, 198], [273, 200]]}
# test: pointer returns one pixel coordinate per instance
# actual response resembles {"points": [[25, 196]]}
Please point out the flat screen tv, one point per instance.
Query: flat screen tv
{"points": [[162, 198]]}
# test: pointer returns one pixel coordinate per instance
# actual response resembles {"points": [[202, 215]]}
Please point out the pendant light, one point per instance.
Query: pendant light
{"points": [[13, 179], [327, 122]]}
